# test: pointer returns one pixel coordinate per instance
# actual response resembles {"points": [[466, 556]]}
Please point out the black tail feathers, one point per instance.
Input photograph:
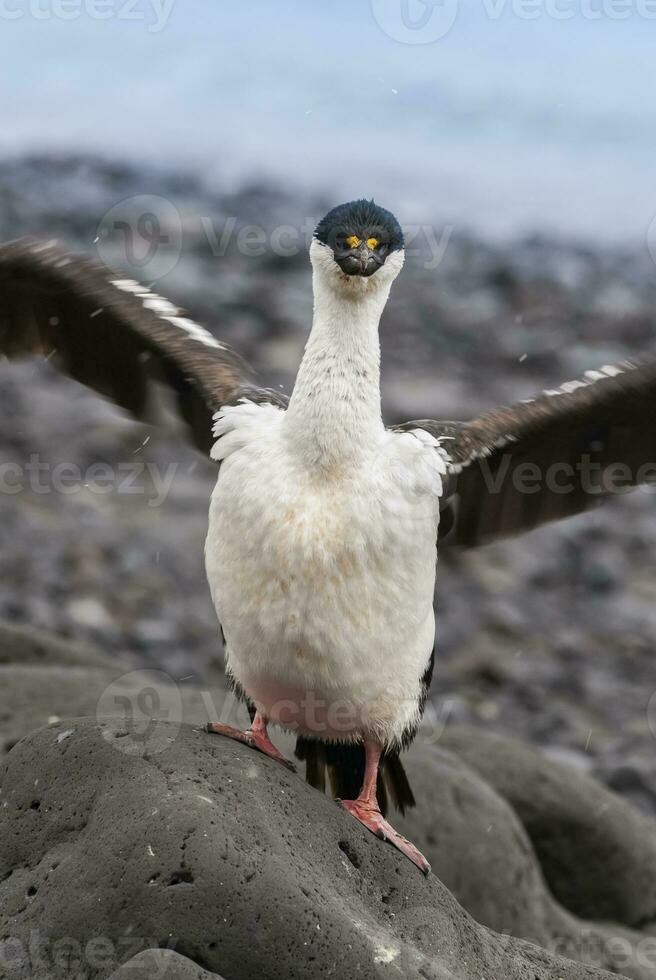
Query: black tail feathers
{"points": [[344, 765]]}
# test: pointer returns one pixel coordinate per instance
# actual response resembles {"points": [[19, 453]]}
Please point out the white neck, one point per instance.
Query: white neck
{"points": [[334, 415]]}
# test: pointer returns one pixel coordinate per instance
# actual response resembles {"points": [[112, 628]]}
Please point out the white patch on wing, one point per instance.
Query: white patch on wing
{"points": [[426, 439], [167, 311], [44, 246], [589, 378], [482, 453], [235, 425], [570, 386]]}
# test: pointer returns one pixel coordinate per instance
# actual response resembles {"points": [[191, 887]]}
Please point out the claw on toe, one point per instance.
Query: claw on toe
{"points": [[371, 818], [257, 739]]}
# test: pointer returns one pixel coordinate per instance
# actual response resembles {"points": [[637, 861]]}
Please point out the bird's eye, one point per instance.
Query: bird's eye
{"points": [[372, 243], [353, 241]]}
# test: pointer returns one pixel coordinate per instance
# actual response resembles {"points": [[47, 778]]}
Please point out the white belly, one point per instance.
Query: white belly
{"points": [[324, 585]]}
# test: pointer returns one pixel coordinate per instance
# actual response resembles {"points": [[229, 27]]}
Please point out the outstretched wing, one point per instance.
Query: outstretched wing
{"points": [[552, 456], [115, 336]]}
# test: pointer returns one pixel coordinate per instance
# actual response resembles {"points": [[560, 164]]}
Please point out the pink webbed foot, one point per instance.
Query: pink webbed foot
{"points": [[256, 737], [371, 818]]}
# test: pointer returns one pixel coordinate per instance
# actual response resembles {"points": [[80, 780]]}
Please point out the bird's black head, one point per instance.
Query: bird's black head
{"points": [[361, 235]]}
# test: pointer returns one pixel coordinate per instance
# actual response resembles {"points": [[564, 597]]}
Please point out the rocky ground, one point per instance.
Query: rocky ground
{"points": [[549, 637], [133, 844]]}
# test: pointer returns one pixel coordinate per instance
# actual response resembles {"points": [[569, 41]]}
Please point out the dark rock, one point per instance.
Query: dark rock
{"points": [[476, 842], [43, 679], [479, 848], [211, 849], [161, 964], [633, 778], [23, 645], [598, 854]]}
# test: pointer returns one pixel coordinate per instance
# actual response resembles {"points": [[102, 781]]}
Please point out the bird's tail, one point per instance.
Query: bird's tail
{"points": [[344, 765]]}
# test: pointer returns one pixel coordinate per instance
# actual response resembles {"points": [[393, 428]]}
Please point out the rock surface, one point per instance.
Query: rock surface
{"points": [[161, 964], [493, 862], [218, 852], [573, 823], [43, 679], [83, 803]]}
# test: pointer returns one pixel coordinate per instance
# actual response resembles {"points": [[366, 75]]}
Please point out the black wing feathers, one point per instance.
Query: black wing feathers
{"points": [[551, 457], [112, 334]]}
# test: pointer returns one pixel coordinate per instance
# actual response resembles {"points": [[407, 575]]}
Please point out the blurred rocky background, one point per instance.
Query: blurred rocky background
{"points": [[549, 637]]}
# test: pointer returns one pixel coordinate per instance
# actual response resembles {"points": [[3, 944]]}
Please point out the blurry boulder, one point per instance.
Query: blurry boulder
{"points": [[597, 853]]}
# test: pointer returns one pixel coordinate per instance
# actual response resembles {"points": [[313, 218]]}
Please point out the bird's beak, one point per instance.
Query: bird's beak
{"points": [[360, 261]]}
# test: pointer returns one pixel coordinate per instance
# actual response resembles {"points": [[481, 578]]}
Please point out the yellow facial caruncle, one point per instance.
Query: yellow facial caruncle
{"points": [[372, 243], [353, 241]]}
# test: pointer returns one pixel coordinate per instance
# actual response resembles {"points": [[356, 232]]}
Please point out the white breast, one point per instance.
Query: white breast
{"points": [[324, 583]]}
